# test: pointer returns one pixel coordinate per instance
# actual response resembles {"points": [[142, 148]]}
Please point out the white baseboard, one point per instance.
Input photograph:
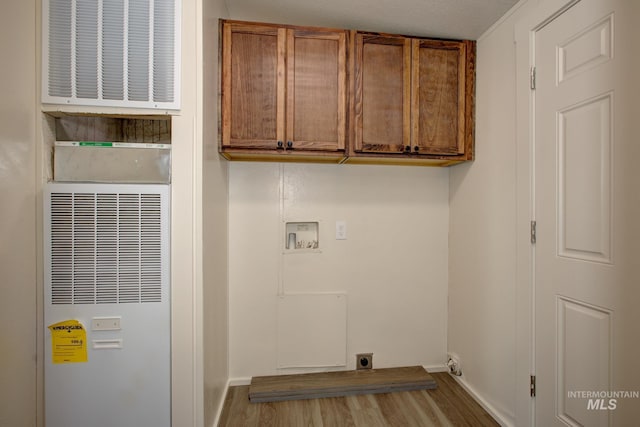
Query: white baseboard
{"points": [[223, 398], [497, 415], [239, 381], [436, 368]]}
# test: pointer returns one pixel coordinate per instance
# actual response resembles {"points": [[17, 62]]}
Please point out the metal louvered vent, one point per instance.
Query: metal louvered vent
{"points": [[106, 247], [122, 53]]}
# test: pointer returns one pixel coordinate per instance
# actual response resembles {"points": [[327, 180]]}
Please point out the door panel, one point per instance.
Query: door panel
{"points": [[583, 357], [584, 180], [589, 48], [438, 90], [316, 91], [383, 89], [585, 278], [253, 86]]}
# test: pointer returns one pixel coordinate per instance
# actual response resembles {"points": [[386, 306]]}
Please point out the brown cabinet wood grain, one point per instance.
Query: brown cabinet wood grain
{"points": [[292, 93], [412, 99], [438, 97], [284, 92], [253, 85], [382, 94]]}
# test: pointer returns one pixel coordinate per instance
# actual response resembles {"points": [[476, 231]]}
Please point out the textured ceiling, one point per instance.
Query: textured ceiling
{"points": [[463, 19]]}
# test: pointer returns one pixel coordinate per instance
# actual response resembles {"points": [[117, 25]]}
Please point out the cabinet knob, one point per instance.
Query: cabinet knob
{"points": [[416, 148], [289, 144], [407, 148], [280, 144]]}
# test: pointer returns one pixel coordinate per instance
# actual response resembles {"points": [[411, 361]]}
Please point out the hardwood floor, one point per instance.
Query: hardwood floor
{"points": [[447, 405]]}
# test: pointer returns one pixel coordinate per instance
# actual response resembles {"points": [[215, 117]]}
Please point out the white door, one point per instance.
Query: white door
{"points": [[587, 208]]}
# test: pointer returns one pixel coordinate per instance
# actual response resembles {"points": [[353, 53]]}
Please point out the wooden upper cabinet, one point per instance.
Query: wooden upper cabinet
{"points": [[413, 97], [321, 94], [283, 89], [382, 93], [438, 97], [316, 89], [253, 85]]}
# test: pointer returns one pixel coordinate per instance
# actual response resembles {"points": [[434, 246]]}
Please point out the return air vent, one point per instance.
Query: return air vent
{"points": [[122, 53], [107, 243]]}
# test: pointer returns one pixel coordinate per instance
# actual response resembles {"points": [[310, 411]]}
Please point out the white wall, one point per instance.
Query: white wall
{"points": [[482, 246], [186, 279], [393, 266], [214, 187], [18, 195], [199, 228]]}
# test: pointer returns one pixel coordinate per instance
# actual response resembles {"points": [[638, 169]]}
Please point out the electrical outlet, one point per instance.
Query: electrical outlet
{"points": [[364, 361]]}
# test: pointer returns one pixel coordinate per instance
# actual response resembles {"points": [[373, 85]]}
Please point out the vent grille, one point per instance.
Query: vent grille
{"points": [[112, 52], [106, 248], [59, 49]]}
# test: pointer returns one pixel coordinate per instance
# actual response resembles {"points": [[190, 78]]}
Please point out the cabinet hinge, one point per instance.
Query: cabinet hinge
{"points": [[532, 386], [533, 231], [532, 78]]}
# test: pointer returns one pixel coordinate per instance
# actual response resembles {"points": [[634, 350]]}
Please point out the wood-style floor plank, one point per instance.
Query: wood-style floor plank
{"points": [[460, 405], [449, 405], [364, 410], [335, 412]]}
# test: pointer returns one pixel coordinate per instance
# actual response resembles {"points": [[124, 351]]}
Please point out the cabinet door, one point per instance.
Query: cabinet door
{"points": [[382, 98], [316, 89], [438, 97], [253, 91]]}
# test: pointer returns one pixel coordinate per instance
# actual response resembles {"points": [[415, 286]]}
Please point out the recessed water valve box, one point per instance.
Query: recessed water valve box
{"points": [[301, 236]]}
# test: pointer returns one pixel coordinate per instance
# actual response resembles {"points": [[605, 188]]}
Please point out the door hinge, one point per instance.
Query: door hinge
{"points": [[532, 78], [533, 232], [532, 386]]}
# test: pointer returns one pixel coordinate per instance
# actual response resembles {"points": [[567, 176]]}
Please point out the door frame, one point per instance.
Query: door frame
{"points": [[524, 37]]}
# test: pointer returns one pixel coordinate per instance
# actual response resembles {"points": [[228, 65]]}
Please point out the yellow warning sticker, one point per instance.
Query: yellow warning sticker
{"points": [[68, 342]]}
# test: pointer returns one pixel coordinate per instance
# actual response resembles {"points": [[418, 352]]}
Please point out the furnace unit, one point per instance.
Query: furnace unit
{"points": [[107, 305]]}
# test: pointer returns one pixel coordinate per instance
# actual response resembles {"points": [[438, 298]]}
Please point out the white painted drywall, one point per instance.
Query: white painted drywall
{"points": [[482, 245], [214, 187], [18, 205], [393, 266], [186, 338]]}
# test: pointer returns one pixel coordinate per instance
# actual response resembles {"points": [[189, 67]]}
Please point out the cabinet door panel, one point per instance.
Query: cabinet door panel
{"points": [[382, 109], [438, 82], [253, 86], [316, 91]]}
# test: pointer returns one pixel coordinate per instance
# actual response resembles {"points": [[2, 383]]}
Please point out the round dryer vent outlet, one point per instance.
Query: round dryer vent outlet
{"points": [[364, 361]]}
